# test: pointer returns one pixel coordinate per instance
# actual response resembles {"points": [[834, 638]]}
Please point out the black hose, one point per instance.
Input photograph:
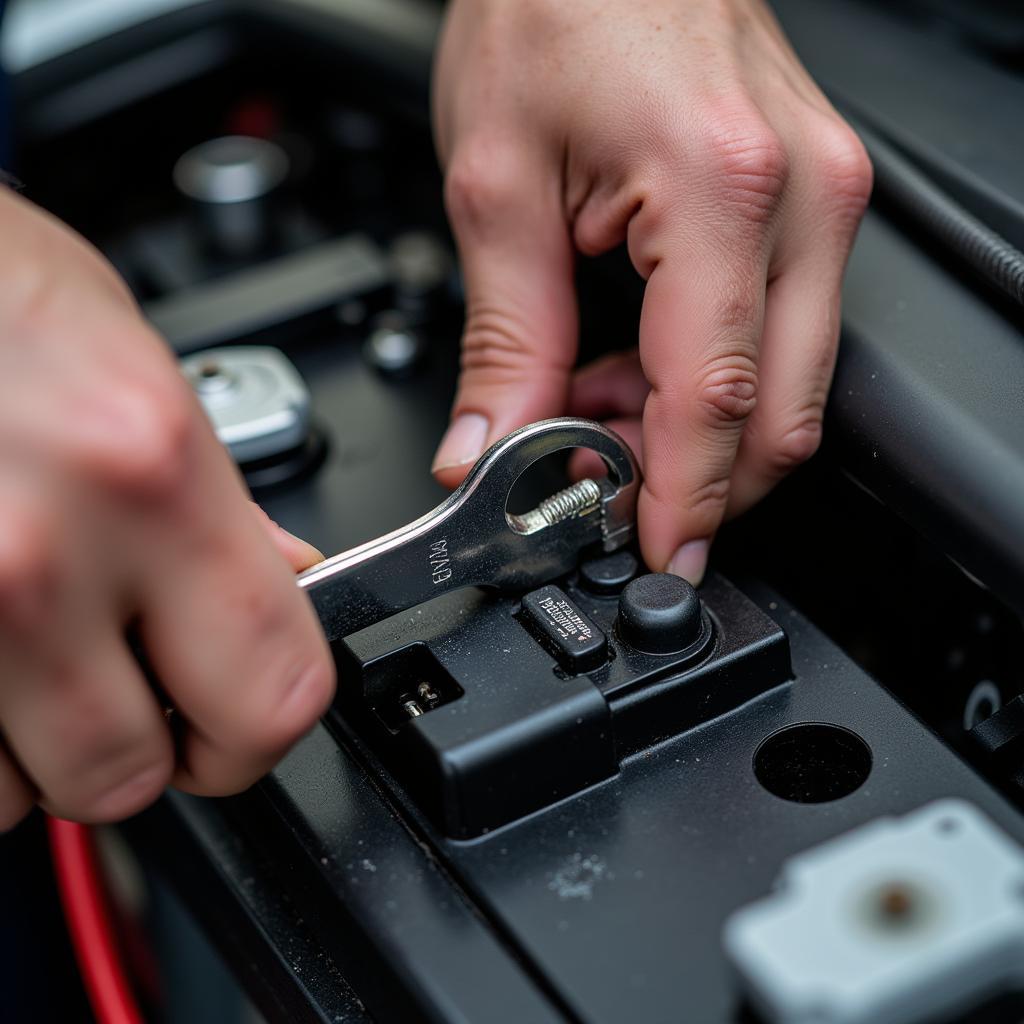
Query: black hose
{"points": [[913, 193]]}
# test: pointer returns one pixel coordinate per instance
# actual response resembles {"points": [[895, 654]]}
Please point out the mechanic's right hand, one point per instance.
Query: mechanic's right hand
{"points": [[119, 510], [689, 130]]}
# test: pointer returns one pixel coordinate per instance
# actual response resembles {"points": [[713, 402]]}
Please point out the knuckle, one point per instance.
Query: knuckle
{"points": [[727, 391], [145, 443], [707, 503], [27, 571], [494, 340], [269, 614], [751, 164], [116, 769], [499, 348], [483, 177], [299, 698], [700, 505], [293, 685], [845, 167], [127, 794]]}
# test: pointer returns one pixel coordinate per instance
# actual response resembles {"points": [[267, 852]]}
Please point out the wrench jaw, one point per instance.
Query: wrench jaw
{"points": [[595, 515], [618, 491], [533, 559], [618, 513]]}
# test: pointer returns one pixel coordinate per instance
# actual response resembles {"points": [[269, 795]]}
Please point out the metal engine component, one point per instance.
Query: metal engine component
{"points": [[257, 402]]}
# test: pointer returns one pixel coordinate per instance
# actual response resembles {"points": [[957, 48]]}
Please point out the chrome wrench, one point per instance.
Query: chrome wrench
{"points": [[471, 539]]}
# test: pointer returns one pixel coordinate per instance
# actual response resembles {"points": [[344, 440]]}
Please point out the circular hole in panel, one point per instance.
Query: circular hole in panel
{"points": [[812, 763]]}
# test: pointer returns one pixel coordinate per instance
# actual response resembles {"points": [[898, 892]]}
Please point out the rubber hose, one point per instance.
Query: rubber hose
{"points": [[910, 190]]}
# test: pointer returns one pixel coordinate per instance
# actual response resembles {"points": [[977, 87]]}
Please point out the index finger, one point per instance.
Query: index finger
{"points": [[699, 333]]}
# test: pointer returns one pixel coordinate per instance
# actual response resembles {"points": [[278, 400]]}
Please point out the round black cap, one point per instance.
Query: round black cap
{"points": [[610, 573], [659, 614]]}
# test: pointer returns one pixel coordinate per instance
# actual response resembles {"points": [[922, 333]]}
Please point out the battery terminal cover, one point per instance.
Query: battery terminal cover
{"points": [[899, 921]]}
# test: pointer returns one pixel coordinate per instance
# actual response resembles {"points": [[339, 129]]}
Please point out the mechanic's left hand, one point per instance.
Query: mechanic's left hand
{"points": [[689, 129]]}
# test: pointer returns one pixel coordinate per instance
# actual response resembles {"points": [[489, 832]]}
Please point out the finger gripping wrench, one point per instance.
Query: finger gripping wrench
{"points": [[471, 539]]}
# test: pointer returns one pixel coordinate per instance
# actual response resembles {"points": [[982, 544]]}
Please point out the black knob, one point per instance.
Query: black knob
{"points": [[609, 573], [659, 614]]}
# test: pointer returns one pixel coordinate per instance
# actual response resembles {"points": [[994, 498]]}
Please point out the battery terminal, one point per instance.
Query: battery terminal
{"points": [[425, 700]]}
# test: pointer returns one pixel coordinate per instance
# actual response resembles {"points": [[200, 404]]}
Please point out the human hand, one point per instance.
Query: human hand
{"points": [[119, 510], [690, 131]]}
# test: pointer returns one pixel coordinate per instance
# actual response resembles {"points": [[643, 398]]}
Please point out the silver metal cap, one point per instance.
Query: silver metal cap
{"points": [[231, 169]]}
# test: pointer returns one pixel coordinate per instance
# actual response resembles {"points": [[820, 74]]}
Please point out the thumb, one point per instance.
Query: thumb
{"points": [[300, 554], [519, 339]]}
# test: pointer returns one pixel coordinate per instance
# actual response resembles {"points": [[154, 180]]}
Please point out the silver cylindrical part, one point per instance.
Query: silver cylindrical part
{"points": [[231, 183]]}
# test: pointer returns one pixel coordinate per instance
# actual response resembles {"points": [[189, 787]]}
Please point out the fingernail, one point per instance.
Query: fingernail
{"points": [[300, 553], [131, 795], [690, 561], [463, 442], [305, 544]]}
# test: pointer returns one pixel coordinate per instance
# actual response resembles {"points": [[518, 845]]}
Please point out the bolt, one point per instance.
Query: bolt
{"points": [[211, 378], [394, 346], [427, 694]]}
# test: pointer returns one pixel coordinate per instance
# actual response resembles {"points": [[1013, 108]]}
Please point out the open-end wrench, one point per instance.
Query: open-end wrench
{"points": [[471, 539]]}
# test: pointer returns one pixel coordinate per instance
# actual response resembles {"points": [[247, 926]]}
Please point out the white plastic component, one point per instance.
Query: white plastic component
{"points": [[892, 923], [257, 402]]}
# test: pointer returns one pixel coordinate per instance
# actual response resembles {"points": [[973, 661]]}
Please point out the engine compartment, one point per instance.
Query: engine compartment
{"points": [[862, 666]]}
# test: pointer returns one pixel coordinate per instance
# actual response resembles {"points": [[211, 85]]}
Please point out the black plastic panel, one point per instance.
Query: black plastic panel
{"points": [[928, 405], [615, 898], [954, 109]]}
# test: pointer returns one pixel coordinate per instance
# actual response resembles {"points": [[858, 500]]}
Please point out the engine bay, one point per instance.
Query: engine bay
{"points": [[811, 811]]}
